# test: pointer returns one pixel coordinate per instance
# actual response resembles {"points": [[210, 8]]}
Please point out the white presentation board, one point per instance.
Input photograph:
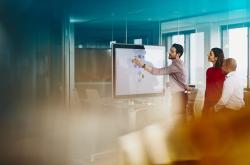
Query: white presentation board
{"points": [[130, 80]]}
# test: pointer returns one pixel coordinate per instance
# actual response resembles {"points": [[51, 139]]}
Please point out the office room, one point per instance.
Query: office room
{"points": [[125, 82]]}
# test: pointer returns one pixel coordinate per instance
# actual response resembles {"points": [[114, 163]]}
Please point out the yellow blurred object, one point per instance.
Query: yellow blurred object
{"points": [[221, 139]]}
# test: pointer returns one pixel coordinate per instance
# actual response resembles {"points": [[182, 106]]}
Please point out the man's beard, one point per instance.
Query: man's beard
{"points": [[170, 58]]}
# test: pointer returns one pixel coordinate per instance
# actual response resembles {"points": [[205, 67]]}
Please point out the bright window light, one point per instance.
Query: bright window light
{"points": [[238, 50]]}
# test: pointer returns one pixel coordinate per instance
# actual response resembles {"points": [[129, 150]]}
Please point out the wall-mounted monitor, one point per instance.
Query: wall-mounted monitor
{"points": [[129, 80]]}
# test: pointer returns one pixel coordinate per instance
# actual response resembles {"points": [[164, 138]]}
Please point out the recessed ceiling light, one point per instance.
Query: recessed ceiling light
{"points": [[78, 20]]}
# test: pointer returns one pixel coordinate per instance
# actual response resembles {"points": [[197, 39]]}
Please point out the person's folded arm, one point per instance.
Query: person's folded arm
{"points": [[226, 94]]}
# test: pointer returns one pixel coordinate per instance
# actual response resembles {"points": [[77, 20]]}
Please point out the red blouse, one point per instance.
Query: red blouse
{"points": [[214, 85]]}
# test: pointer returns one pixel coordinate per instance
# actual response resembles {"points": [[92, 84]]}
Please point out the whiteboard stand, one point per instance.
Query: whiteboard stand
{"points": [[132, 112]]}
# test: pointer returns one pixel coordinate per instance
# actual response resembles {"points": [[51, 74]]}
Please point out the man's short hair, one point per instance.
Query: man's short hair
{"points": [[179, 49]]}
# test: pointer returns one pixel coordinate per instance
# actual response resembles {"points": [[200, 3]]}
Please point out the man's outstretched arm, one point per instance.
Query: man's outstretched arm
{"points": [[155, 71]]}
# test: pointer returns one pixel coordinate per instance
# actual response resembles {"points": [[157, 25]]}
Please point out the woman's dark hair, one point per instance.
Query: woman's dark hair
{"points": [[179, 49], [218, 52]]}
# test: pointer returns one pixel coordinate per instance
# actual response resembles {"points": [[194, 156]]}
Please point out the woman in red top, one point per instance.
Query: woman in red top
{"points": [[214, 80]]}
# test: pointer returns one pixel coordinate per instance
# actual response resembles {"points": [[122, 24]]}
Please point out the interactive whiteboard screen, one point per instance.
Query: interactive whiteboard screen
{"points": [[130, 80]]}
